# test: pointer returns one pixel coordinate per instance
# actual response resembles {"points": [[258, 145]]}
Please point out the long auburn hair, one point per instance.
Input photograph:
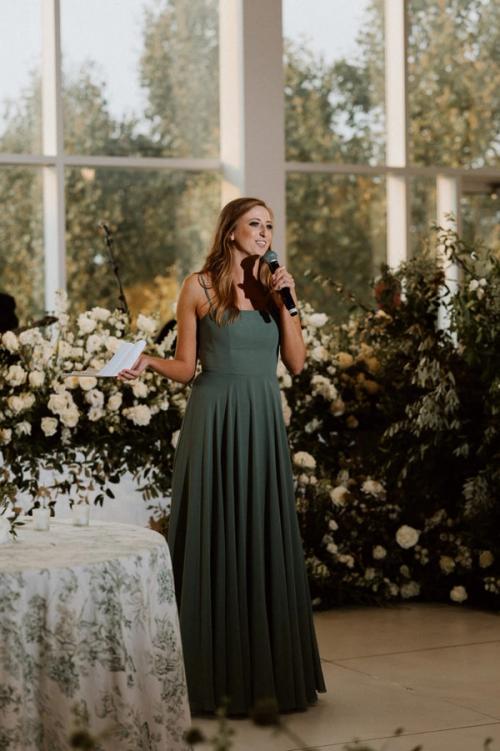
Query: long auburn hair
{"points": [[218, 263]]}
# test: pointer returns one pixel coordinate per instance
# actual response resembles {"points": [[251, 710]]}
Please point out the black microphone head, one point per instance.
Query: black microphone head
{"points": [[270, 256]]}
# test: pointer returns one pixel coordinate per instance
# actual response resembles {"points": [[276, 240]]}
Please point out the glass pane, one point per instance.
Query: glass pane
{"points": [[162, 223], [336, 228], [141, 77], [21, 241], [481, 219], [454, 82], [422, 211], [334, 80], [20, 95]]}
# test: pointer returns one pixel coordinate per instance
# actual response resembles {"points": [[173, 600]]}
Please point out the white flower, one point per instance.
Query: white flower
{"points": [[10, 342], [284, 376], [4, 530], [69, 417], [337, 408], [16, 375], [486, 558], [95, 413], [312, 425], [140, 415], [410, 589], [115, 402], [30, 336], [347, 559], [112, 344], [86, 324], [332, 548], [458, 594], [339, 495], [319, 353], [372, 487], [379, 552], [100, 314], [146, 324], [94, 342], [480, 293], [317, 320], [20, 403], [23, 428], [87, 383], [175, 438], [333, 524], [446, 564], [407, 536], [139, 389], [95, 398], [404, 571], [304, 460], [324, 387], [5, 435], [36, 379], [49, 425], [287, 412], [370, 574], [473, 285]]}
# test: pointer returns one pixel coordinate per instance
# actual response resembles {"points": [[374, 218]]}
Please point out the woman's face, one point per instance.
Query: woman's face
{"points": [[253, 232]]}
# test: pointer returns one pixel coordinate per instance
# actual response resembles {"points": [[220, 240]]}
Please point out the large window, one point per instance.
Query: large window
{"points": [[109, 113]]}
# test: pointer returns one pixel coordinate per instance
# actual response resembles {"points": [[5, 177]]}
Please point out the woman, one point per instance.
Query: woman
{"points": [[241, 586]]}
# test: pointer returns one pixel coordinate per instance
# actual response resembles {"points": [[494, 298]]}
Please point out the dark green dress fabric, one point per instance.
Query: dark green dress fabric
{"points": [[241, 585]]}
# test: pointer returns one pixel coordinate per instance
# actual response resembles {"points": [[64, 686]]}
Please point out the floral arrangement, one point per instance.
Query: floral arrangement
{"points": [[393, 426]]}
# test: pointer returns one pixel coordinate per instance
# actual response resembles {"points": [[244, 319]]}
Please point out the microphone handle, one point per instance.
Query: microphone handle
{"points": [[285, 293]]}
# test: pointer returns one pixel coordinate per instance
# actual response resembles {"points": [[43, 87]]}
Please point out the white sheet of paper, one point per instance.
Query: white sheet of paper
{"points": [[124, 357]]}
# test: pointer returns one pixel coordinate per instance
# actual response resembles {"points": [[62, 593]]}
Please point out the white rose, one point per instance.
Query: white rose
{"points": [[49, 425], [94, 342], [319, 353], [379, 552], [305, 460], [115, 402], [317, 320], [372, 487], [332, 548], [146, 324], [86, 324], [407, 536], [10, 342], [5, 435], [410, 589], [324, 387], [473, 285], [446, 564], [95, 413], [100, 314], [23, 428], [36, 379], [112, 344], [16, 375], [458, 594], [140, 415], [370, 574], [5, 535], [332, 524], [87, 383], [20, 403], [69, 417], [139, 389], [339, 495], [95, 398], [486, 558], [175, 438]]}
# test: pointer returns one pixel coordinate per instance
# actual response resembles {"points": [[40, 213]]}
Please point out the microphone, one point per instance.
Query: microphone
{"points": [[271, 259]]}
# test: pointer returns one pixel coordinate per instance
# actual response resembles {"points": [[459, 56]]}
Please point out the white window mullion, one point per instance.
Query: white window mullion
{"points": [[252, 122], [53, 147], [396, 130]]}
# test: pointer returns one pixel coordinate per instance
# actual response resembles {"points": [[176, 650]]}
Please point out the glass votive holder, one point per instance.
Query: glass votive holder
{"points": [[81, 514], [41, 517]]}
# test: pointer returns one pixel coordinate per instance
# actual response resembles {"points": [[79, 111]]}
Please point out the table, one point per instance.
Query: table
{"points": [[89, 637]]}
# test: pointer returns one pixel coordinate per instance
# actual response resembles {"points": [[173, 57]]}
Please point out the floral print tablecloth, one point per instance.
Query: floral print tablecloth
{"points": [[89, 637]]}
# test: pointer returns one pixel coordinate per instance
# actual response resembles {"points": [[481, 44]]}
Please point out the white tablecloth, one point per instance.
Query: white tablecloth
{"points": [[89, 636]]}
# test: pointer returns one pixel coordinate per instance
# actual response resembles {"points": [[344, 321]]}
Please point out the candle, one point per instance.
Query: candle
{"points": [[41, 518], [81, 513]]}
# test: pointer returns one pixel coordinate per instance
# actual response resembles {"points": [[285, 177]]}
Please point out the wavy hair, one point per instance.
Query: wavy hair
{"points": [[218, 262]]}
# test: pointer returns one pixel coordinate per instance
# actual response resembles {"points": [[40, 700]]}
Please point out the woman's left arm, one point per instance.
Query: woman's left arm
{"points": [[292, 347]]}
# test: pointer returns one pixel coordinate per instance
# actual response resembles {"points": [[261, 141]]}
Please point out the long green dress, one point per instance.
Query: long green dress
{"points": [[241, 585]]}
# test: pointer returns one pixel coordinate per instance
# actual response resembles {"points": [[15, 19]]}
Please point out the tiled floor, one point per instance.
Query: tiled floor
{"points": [[432, 670]]}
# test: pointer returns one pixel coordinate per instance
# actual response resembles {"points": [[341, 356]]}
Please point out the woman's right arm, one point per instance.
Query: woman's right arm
{"points": [[182, 367]]}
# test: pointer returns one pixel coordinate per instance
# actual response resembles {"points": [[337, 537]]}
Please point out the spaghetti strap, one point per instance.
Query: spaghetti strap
{"points": [[204, 285]]}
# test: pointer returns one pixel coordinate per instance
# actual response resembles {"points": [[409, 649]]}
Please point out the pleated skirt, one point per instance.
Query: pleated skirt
{"points": [[241, 584]]}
